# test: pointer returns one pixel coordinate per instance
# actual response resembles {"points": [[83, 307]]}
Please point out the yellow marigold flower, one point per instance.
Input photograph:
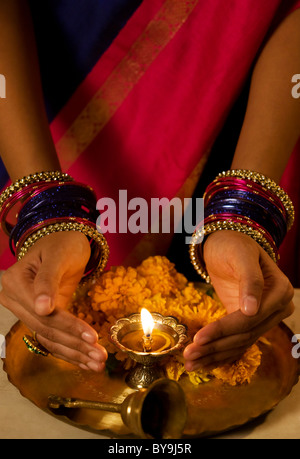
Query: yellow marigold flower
{"points": [[157, 303], [198, 377], [174, 369], [119, 290], [241, 371], [161, 276]]}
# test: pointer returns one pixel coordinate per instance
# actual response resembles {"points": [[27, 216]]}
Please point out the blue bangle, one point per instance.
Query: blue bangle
{"points": [[273, 221], [61, 200]]}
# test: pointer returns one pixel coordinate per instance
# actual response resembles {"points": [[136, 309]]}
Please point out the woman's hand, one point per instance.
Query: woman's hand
{"points": [[256, 294], [38, 288]]}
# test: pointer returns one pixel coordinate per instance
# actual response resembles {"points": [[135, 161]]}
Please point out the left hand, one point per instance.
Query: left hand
{"points": [[38, 289], [256, 294]]}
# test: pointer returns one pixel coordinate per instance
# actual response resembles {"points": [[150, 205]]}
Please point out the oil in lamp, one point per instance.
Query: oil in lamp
{"points": [[148, 339]]}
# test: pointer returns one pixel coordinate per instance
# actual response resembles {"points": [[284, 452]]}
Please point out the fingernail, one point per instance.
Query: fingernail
{"points": [[89, 337], [250, 305], [188, 366], [96, 356], [83, 366], [43, 304], [95, 366], [193, 366]]}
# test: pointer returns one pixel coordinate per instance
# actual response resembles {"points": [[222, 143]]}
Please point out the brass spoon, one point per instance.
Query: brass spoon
{"points": [[156, 412]]}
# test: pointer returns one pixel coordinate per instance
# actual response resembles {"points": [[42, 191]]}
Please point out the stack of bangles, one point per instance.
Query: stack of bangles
{"points": [[48, 202], [247, 202]]}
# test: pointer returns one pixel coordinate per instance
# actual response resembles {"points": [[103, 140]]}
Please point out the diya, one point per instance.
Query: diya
{"points": [[148, 339]]}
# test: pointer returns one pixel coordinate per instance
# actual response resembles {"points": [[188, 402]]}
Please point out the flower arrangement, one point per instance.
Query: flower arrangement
{"points": [[156, 285]]}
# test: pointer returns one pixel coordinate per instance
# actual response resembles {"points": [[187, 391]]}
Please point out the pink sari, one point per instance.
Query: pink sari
{"points": [[145, 118]]}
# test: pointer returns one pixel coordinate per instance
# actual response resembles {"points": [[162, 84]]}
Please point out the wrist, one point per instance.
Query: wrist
{"points": [[246, 202]]}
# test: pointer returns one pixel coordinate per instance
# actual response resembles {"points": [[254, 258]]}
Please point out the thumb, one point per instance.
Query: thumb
{"points": [[251, 284], [46, 285]]}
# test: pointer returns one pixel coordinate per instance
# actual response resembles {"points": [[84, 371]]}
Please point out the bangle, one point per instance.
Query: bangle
{"points": [[23, 189], [268, 184], [196, 255], [72, 224], [244, 185], [52, 202], [267, 217], [246, 222], [23, 228], [247, 202], [65, 199], [30, 179]]}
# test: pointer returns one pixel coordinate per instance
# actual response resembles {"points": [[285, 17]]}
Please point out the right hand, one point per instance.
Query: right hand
{"points": [[255, 292], [38, 288]]}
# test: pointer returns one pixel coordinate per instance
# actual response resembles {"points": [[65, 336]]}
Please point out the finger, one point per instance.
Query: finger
{"points": [[235, 270], [46, 326], [217, 359], [75, 347], [89, 365], [195, 352], [75, 351], [57, 277], [92, 357], [17, 285], [63, 326], [94, 366], [46, 285], [64, 321], [230, 346], [54, 340], [235, 323], [251, 280], [278, 298]]}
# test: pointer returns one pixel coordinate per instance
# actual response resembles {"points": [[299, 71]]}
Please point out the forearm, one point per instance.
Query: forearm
{"points": [[272, 123], [25, 143]]}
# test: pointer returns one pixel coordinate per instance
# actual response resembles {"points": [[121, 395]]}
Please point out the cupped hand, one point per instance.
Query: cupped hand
{"points": [[37, 290], [255, 292]]}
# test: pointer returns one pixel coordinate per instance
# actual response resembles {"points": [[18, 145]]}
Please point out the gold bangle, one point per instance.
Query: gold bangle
{"points": [[267, 183], [196, 256], [195, 248], [32, 178], [68, 225]]}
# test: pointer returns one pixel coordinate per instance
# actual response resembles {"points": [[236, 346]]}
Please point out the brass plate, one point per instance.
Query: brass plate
{"points": [[213, 407]]}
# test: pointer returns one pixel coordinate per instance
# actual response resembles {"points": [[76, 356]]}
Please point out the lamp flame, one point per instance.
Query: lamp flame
{"points": [[147, 322]]}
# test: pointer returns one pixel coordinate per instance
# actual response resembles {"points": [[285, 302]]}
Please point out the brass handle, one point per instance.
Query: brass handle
{"points": [[55, 402]]}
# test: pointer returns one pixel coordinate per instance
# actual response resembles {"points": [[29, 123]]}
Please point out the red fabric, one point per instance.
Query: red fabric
{"points": [[174, 112], [290, 248], [176, 108]]}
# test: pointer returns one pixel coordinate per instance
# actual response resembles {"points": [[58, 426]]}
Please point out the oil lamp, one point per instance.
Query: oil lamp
{"points": [[148, 339]]}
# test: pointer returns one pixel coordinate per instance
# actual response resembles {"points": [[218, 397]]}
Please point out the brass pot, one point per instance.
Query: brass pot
{"points": [[158, 412]]}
